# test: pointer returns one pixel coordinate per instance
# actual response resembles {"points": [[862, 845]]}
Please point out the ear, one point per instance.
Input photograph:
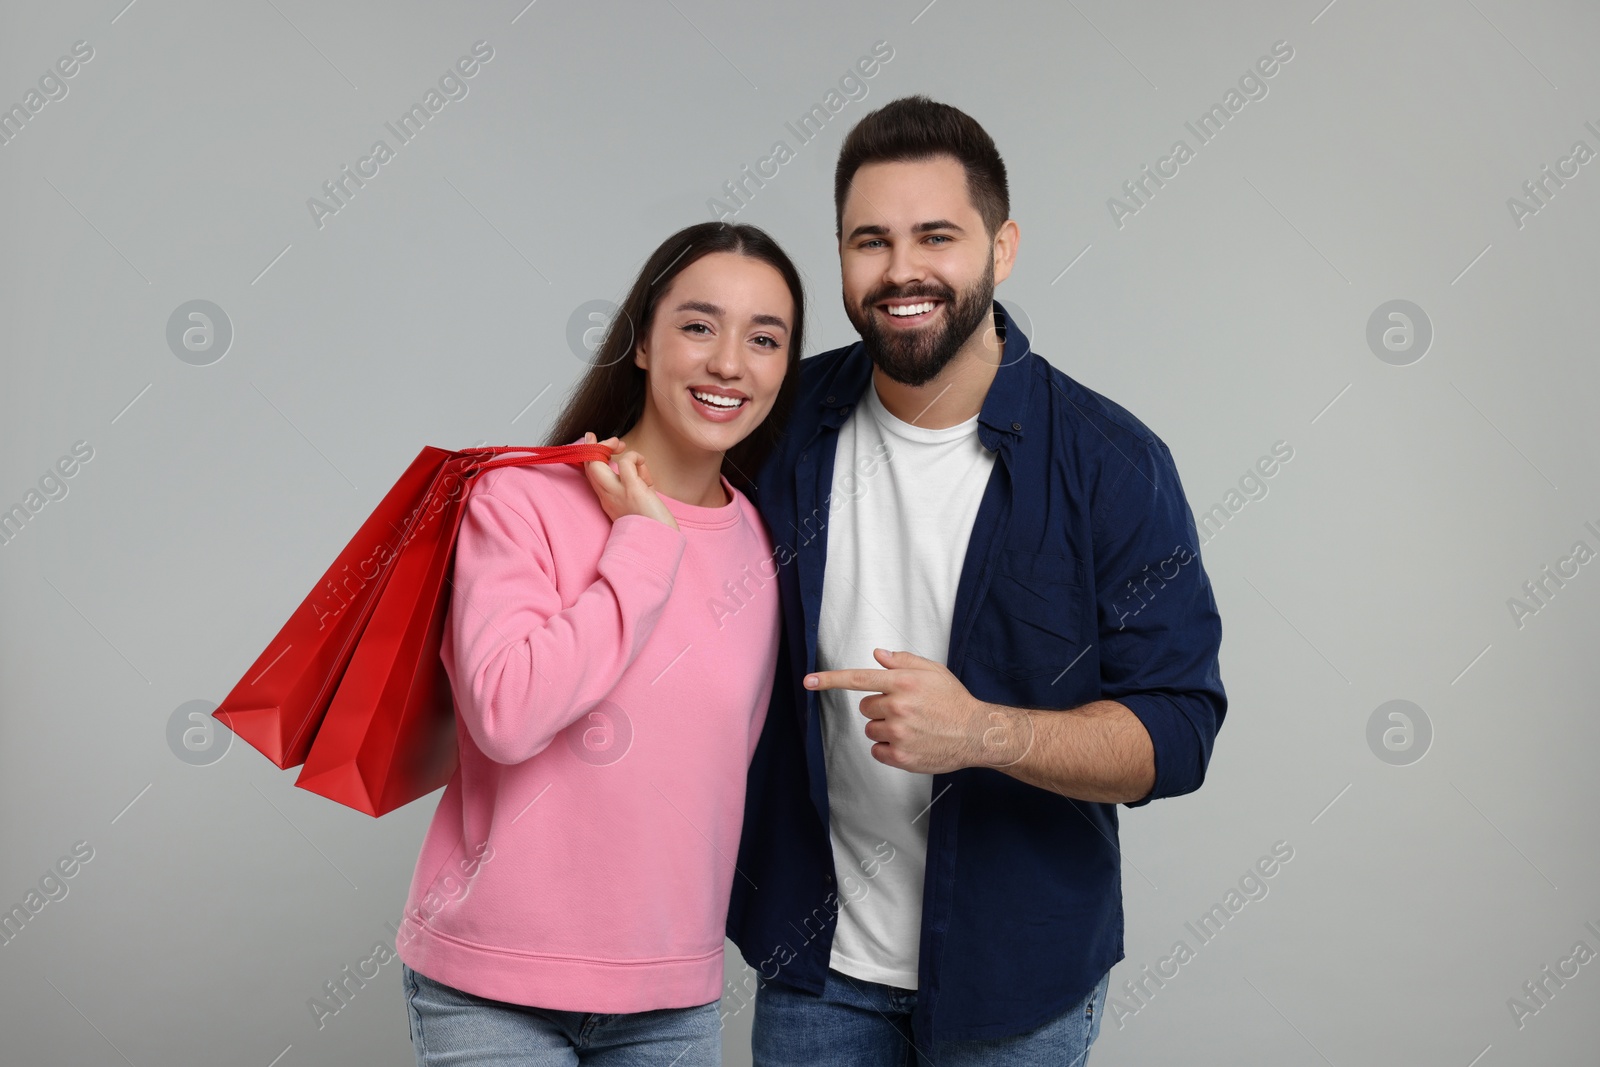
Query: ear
{"points": [[1005, 250], [641, 358]]}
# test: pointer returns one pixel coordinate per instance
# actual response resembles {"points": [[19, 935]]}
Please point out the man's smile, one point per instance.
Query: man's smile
{"points": [[912, 311]]}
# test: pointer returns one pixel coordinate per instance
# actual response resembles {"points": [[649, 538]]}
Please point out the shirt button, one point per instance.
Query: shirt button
{"points": [[828, 878], [1016, 425], [829, 400]]}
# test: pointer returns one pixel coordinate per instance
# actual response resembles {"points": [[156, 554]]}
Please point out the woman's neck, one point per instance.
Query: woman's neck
{"points": [[682, 472]]}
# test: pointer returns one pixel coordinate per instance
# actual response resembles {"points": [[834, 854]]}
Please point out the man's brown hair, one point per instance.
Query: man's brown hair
{"points": [[915, 128]]}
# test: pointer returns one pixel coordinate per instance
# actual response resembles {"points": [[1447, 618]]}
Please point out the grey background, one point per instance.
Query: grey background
{"points": [[1229, 313]]}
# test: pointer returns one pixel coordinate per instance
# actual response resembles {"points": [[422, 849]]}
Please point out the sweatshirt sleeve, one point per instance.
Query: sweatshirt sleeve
{"points": [[763, 706], [525, 667]]}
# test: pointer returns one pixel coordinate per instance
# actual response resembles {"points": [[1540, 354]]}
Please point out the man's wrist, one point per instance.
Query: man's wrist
{"points": [[1005, 735]]}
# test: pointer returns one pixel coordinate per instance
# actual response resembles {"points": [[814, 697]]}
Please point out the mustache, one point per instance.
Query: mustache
{"points": [[883, 295]]}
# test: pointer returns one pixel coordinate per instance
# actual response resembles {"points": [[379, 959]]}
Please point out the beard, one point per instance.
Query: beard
{"points": [[915, 357]]}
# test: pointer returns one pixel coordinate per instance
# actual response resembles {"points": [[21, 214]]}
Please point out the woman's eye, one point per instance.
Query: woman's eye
{"points": [[694, 326], [772, 342]]}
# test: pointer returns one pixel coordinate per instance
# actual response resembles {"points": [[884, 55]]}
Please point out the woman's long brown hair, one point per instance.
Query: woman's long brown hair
{"points": [[609, 398]]}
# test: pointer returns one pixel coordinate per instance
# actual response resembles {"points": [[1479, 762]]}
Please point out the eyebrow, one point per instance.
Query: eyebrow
{"points": [[921, 227], [712, 309]]}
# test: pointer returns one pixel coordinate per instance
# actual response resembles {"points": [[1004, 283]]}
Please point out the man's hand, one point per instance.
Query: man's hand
{"points": [[922, 719]]}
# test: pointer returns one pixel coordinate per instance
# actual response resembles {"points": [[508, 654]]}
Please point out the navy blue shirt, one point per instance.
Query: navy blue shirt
{"points": [[1082, 581]]}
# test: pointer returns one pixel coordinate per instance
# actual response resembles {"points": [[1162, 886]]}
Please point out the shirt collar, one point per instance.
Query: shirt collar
{"points": [[1004, 406]]}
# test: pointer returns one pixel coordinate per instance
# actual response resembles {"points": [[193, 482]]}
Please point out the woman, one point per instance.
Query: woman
{"points": [[610, 644]]}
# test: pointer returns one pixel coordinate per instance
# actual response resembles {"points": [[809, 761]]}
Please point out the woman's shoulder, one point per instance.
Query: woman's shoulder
{"points": [[751, 515], [503, 481], [550, 492]]}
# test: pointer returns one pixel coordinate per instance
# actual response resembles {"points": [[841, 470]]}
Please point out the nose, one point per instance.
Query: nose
{"points": [[905, 265], [727, 356]]}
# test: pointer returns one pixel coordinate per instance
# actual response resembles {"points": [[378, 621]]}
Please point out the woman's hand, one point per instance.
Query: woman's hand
{"points": [[629, 490]]}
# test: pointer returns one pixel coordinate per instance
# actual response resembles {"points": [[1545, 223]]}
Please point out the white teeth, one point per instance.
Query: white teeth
{"points": [[910, 309], [716, 401]]}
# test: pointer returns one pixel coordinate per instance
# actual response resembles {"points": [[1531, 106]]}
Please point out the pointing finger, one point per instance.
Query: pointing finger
{"points": [[864, 681]]}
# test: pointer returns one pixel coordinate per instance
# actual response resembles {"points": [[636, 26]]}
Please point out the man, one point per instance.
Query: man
{"points": [[996, 629]]}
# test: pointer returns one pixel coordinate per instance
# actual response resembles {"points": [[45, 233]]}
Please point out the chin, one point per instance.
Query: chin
{"points": [[708, 437]]}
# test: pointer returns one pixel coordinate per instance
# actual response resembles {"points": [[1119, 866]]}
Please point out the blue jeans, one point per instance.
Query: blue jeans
{"points": [[452, 1027], [855, 1023]]}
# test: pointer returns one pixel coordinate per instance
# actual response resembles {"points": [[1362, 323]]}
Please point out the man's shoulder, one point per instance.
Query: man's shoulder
{"points": [[1089, 415], [814, 377], [1085, 414], [816, 372]]}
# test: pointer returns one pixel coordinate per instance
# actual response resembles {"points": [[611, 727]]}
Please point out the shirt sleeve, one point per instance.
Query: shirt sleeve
{"points": [[1159, 629], [524, 667]]}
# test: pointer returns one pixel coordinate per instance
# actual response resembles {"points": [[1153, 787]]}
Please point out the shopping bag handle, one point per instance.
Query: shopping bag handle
{"points": [[576, 453]]}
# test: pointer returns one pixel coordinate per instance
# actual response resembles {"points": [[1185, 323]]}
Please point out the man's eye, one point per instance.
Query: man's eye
{"points": [[938, 237]]}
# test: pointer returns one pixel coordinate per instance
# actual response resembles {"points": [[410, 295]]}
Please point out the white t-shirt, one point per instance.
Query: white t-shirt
{"points": [[897, 538]]}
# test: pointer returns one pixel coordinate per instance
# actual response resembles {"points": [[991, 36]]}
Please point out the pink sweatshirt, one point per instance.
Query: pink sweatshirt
{"points": [[610, 682]]}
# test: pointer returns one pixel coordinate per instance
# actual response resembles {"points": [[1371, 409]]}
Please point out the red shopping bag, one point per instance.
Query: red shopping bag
{"points": [[365, 642], [278, 704]]}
